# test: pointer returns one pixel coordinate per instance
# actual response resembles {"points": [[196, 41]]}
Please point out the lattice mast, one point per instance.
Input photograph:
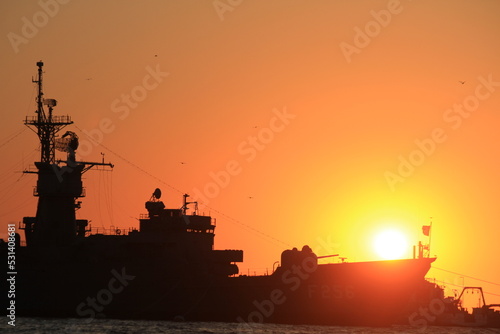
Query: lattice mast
{"points": [[46, 125]]}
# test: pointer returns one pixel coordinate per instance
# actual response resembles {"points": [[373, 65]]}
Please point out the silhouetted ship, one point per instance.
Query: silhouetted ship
{"points": [[455, 313], [169, 269]]}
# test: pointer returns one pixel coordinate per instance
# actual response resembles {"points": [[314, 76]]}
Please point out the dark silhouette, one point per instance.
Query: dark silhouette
{"points": [[168, 268]]}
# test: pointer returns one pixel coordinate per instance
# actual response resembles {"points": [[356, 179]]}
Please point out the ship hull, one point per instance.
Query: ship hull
{"points": [[365, 293]]}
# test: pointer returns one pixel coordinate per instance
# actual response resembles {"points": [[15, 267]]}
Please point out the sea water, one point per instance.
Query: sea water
{"points": [[109, 326]]}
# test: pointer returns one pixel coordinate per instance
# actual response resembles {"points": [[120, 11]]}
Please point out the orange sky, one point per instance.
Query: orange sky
{"points": [[336, 119]]}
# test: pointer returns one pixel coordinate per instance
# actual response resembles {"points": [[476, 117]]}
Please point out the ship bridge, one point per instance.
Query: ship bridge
{"points": [[188, 233], [162, 220]]}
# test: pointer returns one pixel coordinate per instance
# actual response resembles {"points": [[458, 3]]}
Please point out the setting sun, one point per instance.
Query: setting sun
{"points": [[390, 244]]}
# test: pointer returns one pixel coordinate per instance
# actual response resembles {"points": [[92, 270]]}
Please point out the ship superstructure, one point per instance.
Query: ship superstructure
{"points": [[59, 183]]}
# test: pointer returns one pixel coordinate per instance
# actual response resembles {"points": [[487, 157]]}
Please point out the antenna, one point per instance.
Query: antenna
{"points": [[186, 203], [39, 98], [157, 193], [46, 126]]}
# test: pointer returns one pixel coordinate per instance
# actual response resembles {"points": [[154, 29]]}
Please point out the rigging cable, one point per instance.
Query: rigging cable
{"points": [[477, 279], [461, 286], [13, 136], [181, 192], [108, 194]]}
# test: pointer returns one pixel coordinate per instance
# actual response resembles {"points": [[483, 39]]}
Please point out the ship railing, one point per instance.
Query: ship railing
{"points": [[213, 221], [82, 193], [112, 230], [63, 120], [254, 272], [32, 169]]}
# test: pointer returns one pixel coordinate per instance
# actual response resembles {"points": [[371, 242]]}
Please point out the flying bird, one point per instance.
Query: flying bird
{"points": [[462, 82]]}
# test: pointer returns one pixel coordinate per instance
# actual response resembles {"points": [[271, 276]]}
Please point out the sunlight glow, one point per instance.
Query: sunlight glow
{"points": [[390, 244]]}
